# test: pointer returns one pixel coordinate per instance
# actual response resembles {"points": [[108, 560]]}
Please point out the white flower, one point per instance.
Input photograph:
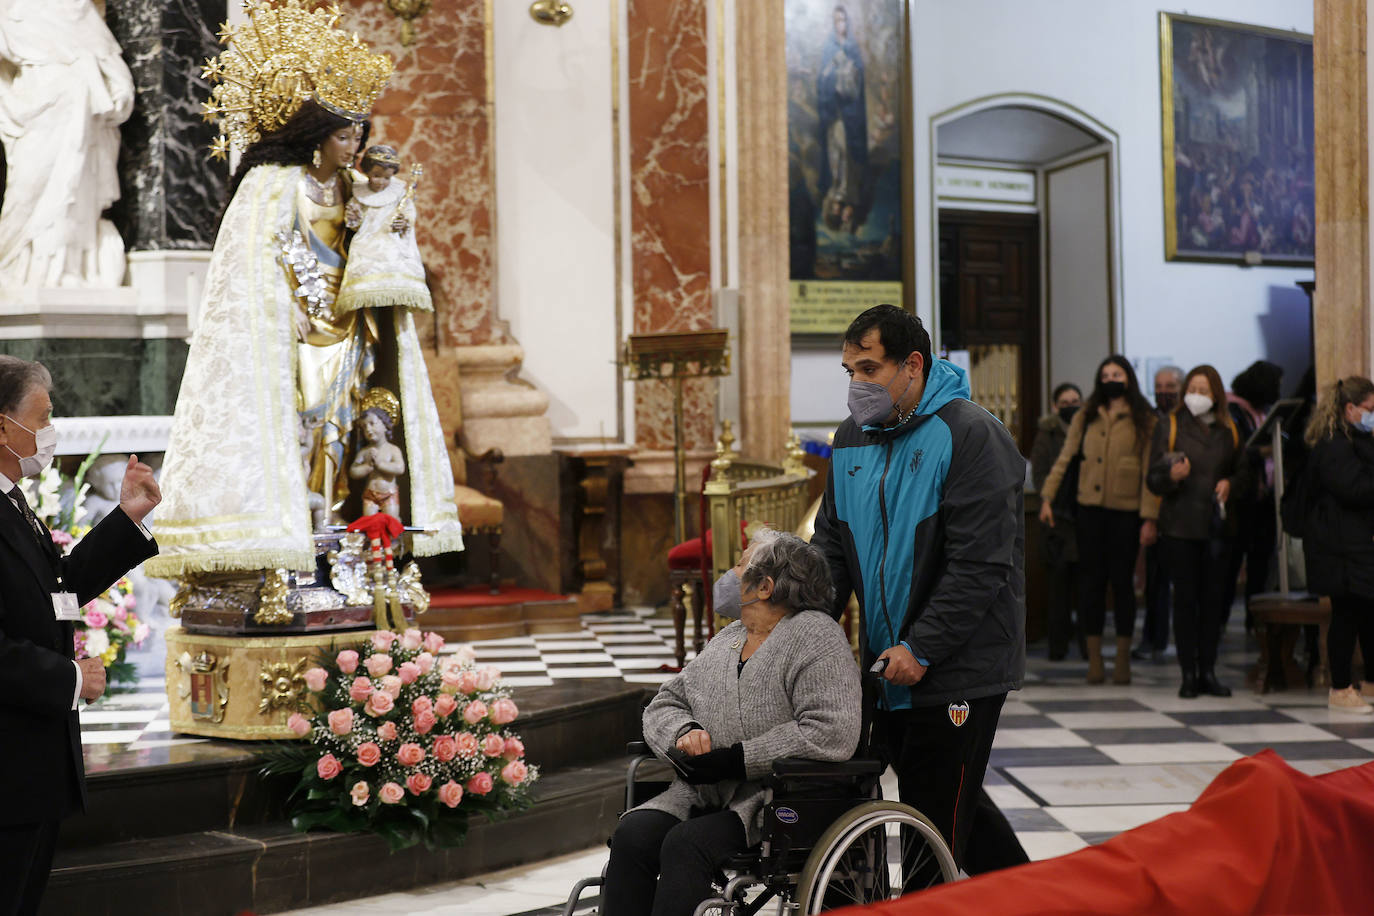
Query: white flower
{"points": [[97, 642]]}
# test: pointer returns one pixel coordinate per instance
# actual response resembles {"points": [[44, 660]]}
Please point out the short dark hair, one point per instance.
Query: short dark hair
{"points": [[1259, 383], [17, 378], [1063, 387], [900, 332]]}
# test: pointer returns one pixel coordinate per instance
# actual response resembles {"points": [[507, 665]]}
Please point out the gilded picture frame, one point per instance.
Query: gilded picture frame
{"points": [[1237, 118], [849, 162]]}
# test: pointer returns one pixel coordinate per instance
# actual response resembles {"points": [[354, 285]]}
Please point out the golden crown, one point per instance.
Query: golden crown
{"points": [[384, 400], [285, 53]]}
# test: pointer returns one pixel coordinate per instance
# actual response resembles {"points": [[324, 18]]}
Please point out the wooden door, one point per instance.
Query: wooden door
{"points": [[990, 306]]}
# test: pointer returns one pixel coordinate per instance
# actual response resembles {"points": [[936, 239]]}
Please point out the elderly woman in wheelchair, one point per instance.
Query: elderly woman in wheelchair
{"points": [[779, 682]]}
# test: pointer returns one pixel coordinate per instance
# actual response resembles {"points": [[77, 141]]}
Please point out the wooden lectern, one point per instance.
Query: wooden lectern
{"points": [[674, 356]]}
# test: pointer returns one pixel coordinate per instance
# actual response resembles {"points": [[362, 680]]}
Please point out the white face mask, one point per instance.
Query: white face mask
{"points": [[1197, 404], [45, 443]]}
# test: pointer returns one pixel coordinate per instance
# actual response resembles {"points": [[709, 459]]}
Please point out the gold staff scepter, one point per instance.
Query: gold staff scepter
{"points": [[417, 171]]}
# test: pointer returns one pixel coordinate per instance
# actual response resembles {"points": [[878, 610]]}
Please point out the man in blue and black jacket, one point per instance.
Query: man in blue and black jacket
{"points": [[923, 520]]}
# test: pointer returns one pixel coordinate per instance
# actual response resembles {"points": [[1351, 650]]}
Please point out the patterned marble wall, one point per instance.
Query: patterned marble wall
{"points": [[170, 192], [670, 209], [436, 111]]}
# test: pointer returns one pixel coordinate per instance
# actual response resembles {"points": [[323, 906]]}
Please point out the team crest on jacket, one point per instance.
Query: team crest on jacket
{"points": [[958, 713]]}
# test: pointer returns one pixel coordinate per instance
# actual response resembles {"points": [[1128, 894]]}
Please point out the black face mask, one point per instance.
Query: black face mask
{"points": [[1166, 400], [1066, 413], [1113, 390]]}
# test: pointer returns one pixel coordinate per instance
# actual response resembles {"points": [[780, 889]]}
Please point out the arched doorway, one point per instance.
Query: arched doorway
{"points": [[1028, 279]]}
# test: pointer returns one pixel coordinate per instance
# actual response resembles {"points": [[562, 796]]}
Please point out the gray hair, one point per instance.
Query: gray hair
{"points": [[801, 578], [17, 378], [1175, 371]]}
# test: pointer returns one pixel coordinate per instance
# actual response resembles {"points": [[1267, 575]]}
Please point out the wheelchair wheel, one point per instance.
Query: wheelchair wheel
{"points": [[878, 850]]}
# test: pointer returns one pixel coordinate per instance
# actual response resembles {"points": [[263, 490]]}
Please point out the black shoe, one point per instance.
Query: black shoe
{"points": [[1188, 689], [1058, 655], [1209, 685], [1140, 653]]}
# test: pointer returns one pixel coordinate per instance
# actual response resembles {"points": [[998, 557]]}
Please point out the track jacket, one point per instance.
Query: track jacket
{"points": [[925, 524]]}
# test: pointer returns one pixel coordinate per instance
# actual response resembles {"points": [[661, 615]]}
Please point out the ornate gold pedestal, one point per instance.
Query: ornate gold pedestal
{"points": [[242, 687]]}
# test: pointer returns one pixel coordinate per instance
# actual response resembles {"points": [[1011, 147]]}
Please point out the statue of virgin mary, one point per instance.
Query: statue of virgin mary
{"points": [[270, 355]]}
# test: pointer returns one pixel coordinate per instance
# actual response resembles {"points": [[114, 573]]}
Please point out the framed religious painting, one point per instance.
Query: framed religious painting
{"points": [[1239, 176], [847, 126]]}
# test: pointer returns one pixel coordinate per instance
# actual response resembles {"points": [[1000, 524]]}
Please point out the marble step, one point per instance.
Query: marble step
{"points": [[215, 785], [268, 868]]}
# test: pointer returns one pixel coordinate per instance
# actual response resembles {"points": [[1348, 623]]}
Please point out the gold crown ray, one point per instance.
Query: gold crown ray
{"points": [[288, 51], [383, 399]]}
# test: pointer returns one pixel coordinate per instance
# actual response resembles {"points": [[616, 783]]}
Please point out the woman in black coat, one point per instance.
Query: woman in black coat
{"points": [[1197, 466], [1339, 541]]}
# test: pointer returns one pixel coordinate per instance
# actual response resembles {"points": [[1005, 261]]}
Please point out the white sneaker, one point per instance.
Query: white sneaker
{"points": [[1349, 700]]}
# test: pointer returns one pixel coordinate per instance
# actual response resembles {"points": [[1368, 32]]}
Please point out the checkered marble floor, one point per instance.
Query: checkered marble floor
{"points": [[1072, 764]]}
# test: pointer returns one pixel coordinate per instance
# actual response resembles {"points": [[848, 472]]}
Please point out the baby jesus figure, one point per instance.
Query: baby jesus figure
{"points": [[384, 266], [380, 462]]}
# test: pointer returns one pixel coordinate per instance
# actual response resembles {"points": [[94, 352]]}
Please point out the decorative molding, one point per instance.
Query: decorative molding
{"points": [[160, 303], [139, 435]]}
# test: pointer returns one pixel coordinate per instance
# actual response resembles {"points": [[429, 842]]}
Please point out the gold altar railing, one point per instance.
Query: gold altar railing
{"points": [[762, 495]]}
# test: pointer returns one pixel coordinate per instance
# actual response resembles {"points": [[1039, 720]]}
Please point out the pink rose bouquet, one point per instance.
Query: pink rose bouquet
{"points": [[407, 739]]}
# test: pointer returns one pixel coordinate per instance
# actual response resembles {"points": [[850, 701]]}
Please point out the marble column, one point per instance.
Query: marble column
{"points": [[670, 202], [765, 357], [437, 110], [171, 192], [1341, 304]]}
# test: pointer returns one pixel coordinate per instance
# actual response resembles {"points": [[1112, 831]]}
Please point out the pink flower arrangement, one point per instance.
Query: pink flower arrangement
{"points": [[341, 721], [406, 725], [361, 690], [328, 767]]}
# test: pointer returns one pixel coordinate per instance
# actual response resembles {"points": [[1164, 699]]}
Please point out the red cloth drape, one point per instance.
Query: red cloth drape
{"points": [[1262, 838]]}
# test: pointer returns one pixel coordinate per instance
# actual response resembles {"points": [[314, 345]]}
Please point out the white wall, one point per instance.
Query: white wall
{"points": [[1103, 58], [555, 224]]}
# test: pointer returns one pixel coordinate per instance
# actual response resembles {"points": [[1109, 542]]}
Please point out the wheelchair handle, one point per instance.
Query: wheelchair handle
{"points": [[878, 667]]}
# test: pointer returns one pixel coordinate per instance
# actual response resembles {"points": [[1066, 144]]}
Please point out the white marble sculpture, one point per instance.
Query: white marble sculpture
{"points": [[64, 91]]}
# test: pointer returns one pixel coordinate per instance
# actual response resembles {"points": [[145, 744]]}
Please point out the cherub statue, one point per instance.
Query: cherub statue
{"points": [[380, 461], [384, 267]]}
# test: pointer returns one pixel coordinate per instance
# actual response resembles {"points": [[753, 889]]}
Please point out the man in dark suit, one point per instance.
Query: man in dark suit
{"points": [[41, 593]]}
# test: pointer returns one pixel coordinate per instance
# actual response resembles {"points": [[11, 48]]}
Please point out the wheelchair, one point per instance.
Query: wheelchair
{"points": [[829, 840]]}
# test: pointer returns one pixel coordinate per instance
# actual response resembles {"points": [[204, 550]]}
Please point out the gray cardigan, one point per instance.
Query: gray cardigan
{"points": [[798, 696]]}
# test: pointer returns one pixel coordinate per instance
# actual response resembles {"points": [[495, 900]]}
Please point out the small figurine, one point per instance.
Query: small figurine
{"points": [[305, 435], [379, 462], [384, 266]]}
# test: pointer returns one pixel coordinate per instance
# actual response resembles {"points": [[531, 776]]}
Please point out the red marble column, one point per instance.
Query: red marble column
{"points": [[670, 207], [436, 110]]}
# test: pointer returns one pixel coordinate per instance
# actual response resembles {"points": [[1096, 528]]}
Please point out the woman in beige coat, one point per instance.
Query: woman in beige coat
{"points": [[779, 682], [1112, 433]]}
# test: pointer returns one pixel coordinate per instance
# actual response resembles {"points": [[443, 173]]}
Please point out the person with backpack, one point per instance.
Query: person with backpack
{"points": [[1197, 467], [1106, 449], [1335, 496]]}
